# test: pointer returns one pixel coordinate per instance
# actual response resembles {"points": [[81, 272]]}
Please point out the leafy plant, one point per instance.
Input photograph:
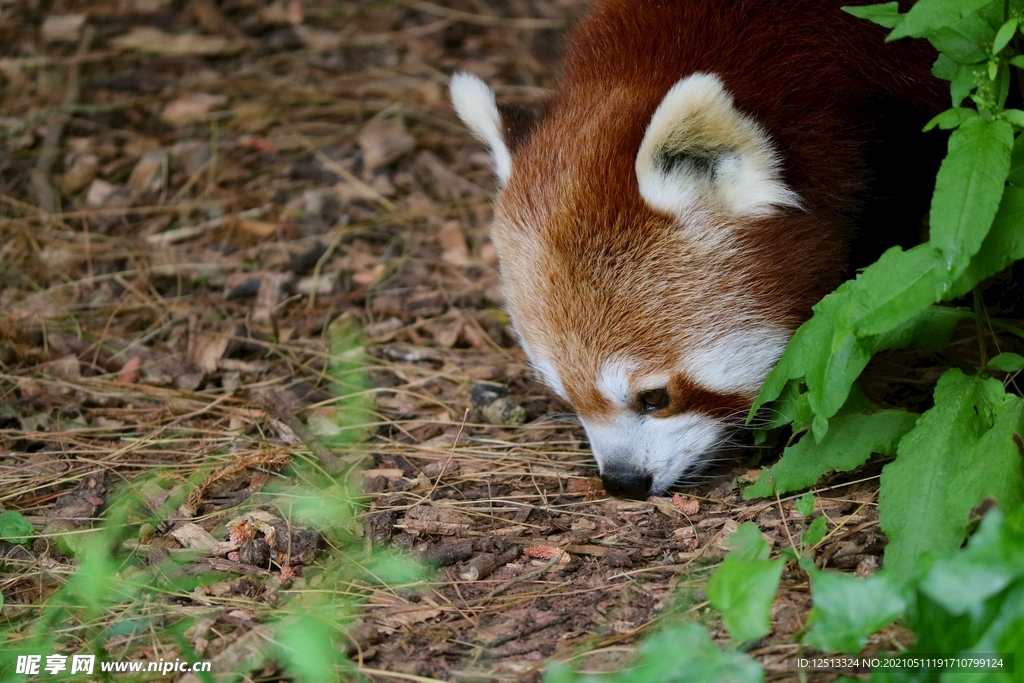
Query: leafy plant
{"points": [[969, 603], [14, 528], [964, 449], [744, 585]]}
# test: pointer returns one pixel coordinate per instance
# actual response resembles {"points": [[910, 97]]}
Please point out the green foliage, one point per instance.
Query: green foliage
{"points": [[682, 652], [848, 609], [744, 586], [14, 528], [968, 188], [970, 602], [850, 441], [962, 450], [969, 431], [1007, 362]]}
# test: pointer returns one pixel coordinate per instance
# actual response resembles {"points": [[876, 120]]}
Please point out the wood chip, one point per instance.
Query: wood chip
{"points": [[154, 41]]}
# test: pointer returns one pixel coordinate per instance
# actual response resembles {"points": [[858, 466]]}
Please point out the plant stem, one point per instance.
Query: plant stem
{"points": [[979, 327]]}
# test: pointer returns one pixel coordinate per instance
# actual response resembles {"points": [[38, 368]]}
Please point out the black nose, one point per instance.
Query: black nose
{"points": [[626, 483]]}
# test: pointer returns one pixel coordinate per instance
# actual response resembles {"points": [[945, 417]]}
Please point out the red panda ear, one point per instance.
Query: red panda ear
{"points": [[474, 103], [700, 153], [517, 123]]}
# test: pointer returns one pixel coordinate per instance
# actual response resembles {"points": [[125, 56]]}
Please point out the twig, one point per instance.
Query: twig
{"points": [[46, 196], [498, 590], [276, 405], [328, 253], [529, 631]]}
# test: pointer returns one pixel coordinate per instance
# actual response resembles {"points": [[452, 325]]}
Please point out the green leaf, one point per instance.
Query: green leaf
{"points": [[681, 652], [993, 558], [969, 187], [886, 14], [393, 569], [850, 441], [966, 41], [1004, 35], [308, 649], [930, 329], [944, 68], [1007, 362], [848, 609], [995, 466], [1016, 174], [1015, 117], [814, 533], [14, 528], [830, 374], [747, 543], [1017, 61], [951, 118], [744, 591], [688, 648], [805, 505], [964, 82], [960, 451], [928, 16], [893, 289], [791, 407], [1003, 245]]}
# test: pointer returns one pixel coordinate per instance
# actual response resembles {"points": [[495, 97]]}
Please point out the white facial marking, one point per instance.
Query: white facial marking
{"points": [[701, 153], [613, 380], [665, 448], [474, 103], [735, 362], [543, 367], [550, 376]]}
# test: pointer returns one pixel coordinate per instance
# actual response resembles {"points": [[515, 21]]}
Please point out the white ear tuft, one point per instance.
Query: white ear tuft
{"points": [[474, 103], [700, 153]]}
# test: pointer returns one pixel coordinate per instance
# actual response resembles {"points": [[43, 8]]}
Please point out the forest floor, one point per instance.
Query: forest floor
{"points": [[194, 197]]}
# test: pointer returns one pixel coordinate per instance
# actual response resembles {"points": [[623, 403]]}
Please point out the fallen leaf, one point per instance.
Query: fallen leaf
{"points": [[155, 41], [261, 229], [688, 505], [210, 348], [546, 553], [149, 173], [367, 278], [193, 107], [62, 28], [268, 296], [453, 243], [129, 372], [383, 141]]}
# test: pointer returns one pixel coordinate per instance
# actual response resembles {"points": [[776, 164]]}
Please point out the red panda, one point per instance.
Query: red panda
{"points": [[686, 197]]}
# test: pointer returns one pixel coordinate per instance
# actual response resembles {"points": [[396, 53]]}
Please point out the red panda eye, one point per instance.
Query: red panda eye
{"points": [[653, 399]]}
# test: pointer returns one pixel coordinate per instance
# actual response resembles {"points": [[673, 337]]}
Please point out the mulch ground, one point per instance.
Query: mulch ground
{"points": [[193, 196]]}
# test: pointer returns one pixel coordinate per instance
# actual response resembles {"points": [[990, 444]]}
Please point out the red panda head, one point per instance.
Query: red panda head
{"points": [[649, 254]]}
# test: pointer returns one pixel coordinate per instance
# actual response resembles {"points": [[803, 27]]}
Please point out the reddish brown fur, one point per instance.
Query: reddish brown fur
{"points": [[589, 266]]}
